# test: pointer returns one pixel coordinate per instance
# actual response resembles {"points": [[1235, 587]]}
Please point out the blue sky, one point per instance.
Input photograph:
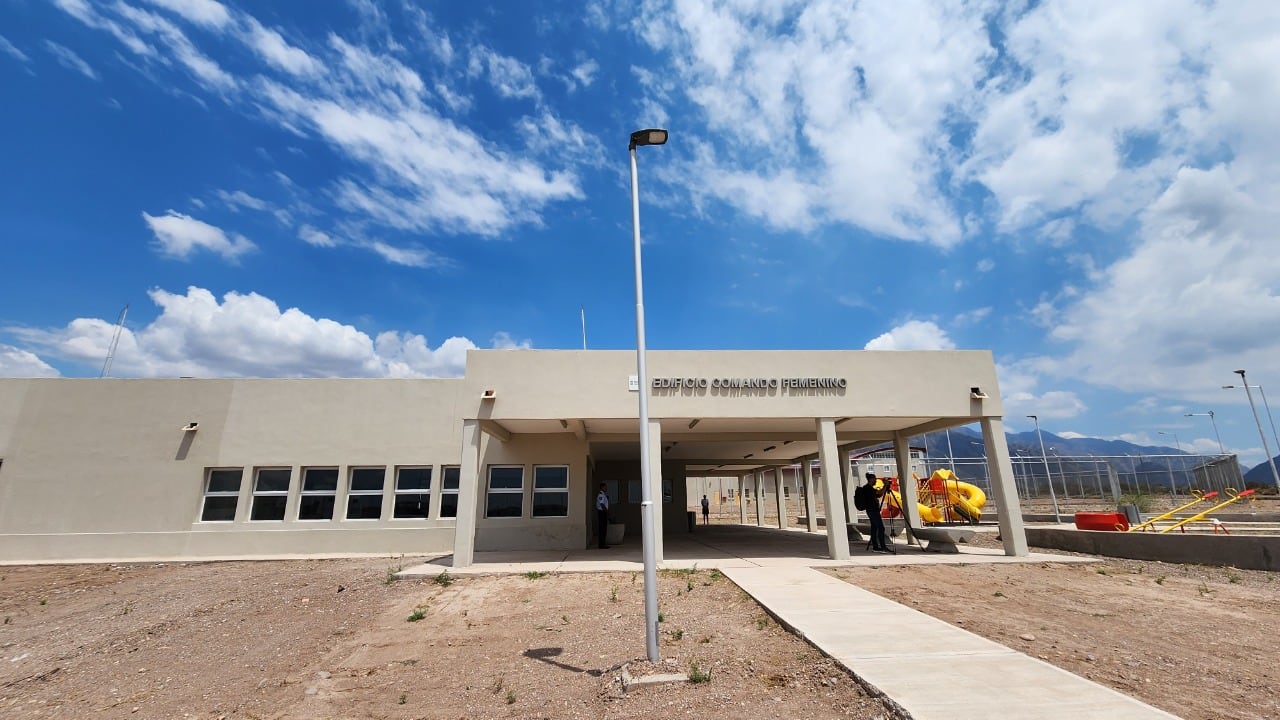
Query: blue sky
{"points": [[1089, 189]]}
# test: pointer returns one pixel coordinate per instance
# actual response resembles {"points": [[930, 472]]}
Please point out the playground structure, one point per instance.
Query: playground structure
{"points": [[941, 498], [1181, 523]]}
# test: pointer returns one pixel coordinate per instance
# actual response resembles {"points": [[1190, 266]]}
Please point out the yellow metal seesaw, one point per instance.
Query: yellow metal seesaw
{"points": [[1235, 497], [1200, 497]]}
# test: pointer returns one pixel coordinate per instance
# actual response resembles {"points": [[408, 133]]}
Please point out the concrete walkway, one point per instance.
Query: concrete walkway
{"points": [[928, 668]]}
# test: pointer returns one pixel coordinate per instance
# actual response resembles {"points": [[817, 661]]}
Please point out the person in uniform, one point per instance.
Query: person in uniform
{"points": [[602, 514]]}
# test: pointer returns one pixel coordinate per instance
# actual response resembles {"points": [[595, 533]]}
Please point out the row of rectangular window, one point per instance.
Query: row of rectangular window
{"points": [[319, 491], [505, 491]]}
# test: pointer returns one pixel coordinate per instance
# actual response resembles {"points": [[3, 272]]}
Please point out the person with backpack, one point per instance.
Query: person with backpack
{"points": [[867, 499]]}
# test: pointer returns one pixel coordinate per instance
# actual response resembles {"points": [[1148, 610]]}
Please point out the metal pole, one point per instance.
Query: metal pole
{"points": [[1052, 495], [1266, 447], [646, 491], [951, 456], [1173, 487]]}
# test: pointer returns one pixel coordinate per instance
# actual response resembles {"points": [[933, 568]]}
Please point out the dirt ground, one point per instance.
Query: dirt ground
{"points": [[338, 639], [335, 639], [1199, 642]]}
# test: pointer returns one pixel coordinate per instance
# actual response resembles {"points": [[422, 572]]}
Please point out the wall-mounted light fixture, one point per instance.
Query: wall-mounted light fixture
{"points": [[191, 426], [488, 394], [977, 394]]}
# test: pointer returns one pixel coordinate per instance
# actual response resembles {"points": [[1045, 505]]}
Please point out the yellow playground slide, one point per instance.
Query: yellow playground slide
{"points": [[964, 499]]}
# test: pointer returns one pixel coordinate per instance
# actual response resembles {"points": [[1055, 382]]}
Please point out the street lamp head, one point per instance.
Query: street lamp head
{"points": [[652, 136], [1238, 372], [1033, 417]]}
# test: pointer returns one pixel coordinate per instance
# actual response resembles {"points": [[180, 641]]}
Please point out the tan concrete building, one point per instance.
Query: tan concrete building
{"points": [[506, 457]]}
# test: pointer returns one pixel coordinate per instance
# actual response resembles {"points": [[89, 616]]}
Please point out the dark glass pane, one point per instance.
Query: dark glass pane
{"points": [[225, 480], [413, 479], [321, 480], [550, 504], [315, 507], [451, 475], [274, 480], [268, 507], [364, 507], [505, 505], [448, 505], [412, 506], [506, 478], [219, 508], [367, 479], [546, 478]]}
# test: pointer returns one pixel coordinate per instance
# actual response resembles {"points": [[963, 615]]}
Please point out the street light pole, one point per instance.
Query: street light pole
{"points": [[1221, 450], [1262, 391], [1052, 495], [644, 137], [1265, 446]]}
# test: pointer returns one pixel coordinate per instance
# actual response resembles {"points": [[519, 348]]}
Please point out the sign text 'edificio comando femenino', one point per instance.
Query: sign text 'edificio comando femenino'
{"points": [[799, 383]]}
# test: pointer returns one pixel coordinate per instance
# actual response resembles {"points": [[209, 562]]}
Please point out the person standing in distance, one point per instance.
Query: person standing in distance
{"points": [[871, 505], [602, 514], [706, 511]]}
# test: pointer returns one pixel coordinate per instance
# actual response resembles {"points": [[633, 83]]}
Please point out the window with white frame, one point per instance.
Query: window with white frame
{"points": [[449, 477], [505, 496], [364, 496], [551, 491], [221, 492], [270, 492], [319, 489], [413, 493]]}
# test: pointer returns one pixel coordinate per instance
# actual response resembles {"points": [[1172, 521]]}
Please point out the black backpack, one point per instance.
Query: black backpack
{"points": [[860, 497]]}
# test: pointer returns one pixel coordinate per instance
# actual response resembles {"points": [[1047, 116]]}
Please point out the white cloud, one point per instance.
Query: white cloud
{"points": [[248, 335], [889, 116], [973, 316], [272, 47], [68, 59], [209, 13], [179, 235], [12, 51], [411, 257], [205, 70], [240, 198], [842, 109], [1020, 393], [1196, 298], [585, 73], [16, 362], [986, 265], [414, 168], [317, 238], [913, 335], [509, 77]]}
